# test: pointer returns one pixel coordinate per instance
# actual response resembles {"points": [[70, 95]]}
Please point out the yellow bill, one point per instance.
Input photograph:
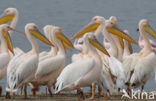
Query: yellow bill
{"points": [[88, 28], [121, 42], [116, 31], [5, 18], [130, 48], [8, 41], [66, 46], [66, 42], [36, 33], [94, 42], [150, 31]]}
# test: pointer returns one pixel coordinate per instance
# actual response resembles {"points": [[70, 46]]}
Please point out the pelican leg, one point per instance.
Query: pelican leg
{"points": [[7, 96], [46, 90], [33, 91], [128, 90], [79, 93], [93, 91], [119, 90], [25, 91], [143, 84], [21, 91], [90, 90], [0, 90], [100, 91], [49, 90], [105, 96]]}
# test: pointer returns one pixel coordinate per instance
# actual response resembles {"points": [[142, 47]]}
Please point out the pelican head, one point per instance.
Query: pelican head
{"points": [[110, 27], [113, 29], [113, 20], [8, 15], [55, 32], [92, 26], [144, 25], [32, 29], [4, 28], [91, 41]]}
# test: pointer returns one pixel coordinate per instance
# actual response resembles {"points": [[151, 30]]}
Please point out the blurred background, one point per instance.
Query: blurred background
{"points": [[72, 15]]}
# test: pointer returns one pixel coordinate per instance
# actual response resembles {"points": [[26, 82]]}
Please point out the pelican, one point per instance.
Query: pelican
{"points": [[11, 15], [21, 69], [49, 67], [141, 43], [6, 46], [107, 27], [84, 71], [140, 65]]}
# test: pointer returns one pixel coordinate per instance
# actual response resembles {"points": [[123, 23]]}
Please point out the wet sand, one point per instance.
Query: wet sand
{"points": [[68, 97]]}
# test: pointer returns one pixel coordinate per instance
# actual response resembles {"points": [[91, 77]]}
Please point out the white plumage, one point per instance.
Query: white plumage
{"points": [[73, 72]]}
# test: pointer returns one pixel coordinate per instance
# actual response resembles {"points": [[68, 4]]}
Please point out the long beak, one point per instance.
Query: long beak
{"points": [[17, 31], [121, 42], [66, 42], [5, 18], [150, 31], [115, 30], [8, 40], [88, 28], [94, 42], [66, 46], [36, 33], [130, 48]]}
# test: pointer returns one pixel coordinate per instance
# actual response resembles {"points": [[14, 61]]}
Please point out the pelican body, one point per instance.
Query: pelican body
{"points": [[51, 64], [6, 46], [21, 69], [140, 65]]}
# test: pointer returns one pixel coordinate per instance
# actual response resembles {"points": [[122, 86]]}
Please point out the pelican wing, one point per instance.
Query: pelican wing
{"points": [[49, 64], [73, 72], [20, 68], [118, 71]]}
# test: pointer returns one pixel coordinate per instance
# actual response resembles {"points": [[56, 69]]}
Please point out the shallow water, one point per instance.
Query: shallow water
{"points": [[71, 15]]}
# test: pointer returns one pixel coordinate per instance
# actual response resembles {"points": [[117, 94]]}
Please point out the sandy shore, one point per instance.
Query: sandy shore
{"points": [[65, 97]]}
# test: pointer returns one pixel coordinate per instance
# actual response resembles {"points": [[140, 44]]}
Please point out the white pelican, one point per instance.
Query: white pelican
{"points": [[141, 43], [140, 65], [84, 71], [98, 23], [11, 15], [49, 67], [5, 46], [21, 69]]}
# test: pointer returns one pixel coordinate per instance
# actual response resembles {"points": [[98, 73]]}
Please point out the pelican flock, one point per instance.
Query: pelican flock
{"points": [[111, 66]]}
